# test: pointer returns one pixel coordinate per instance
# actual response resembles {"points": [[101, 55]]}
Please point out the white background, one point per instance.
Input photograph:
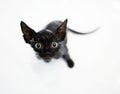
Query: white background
{"points": [[96, 56]]}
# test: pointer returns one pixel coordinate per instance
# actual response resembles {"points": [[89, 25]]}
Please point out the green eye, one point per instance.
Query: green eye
{"points": [[54, 44], [37, 45]]}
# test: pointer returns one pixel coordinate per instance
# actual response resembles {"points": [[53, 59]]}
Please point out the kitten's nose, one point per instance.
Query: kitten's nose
{"points": [[47, 49], [48, 54]]}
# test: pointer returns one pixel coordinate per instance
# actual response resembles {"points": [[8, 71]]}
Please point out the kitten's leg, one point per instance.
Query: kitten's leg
{"points": [[69, 61]]}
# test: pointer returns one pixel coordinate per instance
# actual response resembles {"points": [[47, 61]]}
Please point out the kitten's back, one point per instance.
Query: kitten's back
{"points": [[53, 25]]}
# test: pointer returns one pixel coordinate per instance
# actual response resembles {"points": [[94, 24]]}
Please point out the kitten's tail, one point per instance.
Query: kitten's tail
{"points": [[81, 33]]}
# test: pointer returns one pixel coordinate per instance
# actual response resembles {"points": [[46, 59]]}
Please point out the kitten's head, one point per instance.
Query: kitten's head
{"points": [[45, 43]]}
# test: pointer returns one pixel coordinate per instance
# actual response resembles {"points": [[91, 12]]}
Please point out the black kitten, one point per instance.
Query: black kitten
{"points": [[50, 42]]}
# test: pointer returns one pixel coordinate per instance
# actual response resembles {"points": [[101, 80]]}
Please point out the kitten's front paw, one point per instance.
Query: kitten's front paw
{"points": [[70, 63]]}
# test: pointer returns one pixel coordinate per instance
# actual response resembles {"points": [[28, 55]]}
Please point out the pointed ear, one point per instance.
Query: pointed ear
{"points": [[61, 31], [28, 33]]}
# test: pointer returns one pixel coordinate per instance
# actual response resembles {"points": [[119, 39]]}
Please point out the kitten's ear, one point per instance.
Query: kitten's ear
{"points": [[61, 31], [28, 33]]}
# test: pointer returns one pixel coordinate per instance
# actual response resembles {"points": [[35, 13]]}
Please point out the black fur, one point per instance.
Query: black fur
{"points": [[50, 42]]}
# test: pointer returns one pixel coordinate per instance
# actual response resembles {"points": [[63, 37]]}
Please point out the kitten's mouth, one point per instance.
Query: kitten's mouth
{"points": [[47, 58]]}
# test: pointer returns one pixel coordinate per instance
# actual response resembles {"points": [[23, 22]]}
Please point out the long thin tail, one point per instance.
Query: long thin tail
{"points": [[81, 33]]}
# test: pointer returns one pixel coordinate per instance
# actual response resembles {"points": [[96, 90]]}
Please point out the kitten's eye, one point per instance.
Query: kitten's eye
{"points": [[54, 44], [37, 45]]}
